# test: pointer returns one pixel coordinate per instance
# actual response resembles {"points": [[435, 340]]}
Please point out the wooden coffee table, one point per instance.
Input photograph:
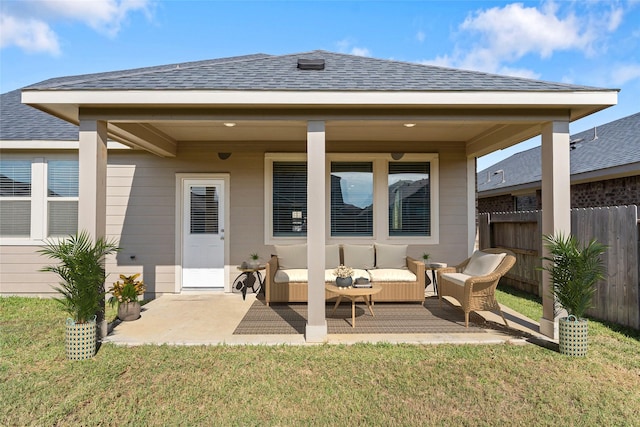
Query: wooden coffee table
{"points": [[352, 294]]}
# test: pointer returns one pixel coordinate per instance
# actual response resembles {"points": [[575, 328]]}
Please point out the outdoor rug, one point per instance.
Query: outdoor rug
{"points": [[390, 318]]}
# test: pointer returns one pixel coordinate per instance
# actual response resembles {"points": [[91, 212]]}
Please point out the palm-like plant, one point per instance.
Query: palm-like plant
{"points": [[81, 268], [574, 271]]}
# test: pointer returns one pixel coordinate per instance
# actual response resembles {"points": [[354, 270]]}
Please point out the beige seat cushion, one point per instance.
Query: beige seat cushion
{"points": [[299, 275], [291, 256], [482, 263], [391, 275], [391, 256], [457, 278], [360, 257]]}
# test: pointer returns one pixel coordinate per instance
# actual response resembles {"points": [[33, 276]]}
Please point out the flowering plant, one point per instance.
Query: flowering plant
{"points": [[126, 290], [343, 271]]}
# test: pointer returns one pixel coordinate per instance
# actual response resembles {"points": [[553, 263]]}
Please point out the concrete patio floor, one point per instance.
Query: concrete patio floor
{"points": [[211, 318]]}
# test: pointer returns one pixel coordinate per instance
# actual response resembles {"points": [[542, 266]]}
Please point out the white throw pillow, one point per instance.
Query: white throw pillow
{"points": [[391, 256], [332, 256], [482, 263], [359, 256], [291, 256]]}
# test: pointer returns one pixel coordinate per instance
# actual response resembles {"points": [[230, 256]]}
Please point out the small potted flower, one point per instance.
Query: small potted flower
{"points": [[125, 293], [344, 276]]}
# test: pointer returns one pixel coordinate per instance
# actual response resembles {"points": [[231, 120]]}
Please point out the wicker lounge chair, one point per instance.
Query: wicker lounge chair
{"points": [[472, 285]]}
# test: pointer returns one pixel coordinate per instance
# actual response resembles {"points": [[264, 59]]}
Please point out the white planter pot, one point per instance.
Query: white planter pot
{"points": [[80, 339], [574, 334]]}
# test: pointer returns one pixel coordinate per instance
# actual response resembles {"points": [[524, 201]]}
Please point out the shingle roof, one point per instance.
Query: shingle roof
{"points": [[617, 144], [19, 122], [267, 72]]}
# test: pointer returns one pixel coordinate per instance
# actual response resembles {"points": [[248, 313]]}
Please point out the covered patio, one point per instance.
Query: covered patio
{"points": [[221, 318], [229, 121]]}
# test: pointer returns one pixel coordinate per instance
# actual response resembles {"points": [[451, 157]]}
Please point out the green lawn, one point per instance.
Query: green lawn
{"points": [[312, 385]]}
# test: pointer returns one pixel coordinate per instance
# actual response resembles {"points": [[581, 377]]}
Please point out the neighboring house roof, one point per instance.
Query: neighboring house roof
{"points": [[608, 149], [20, 122], [266, 72]]}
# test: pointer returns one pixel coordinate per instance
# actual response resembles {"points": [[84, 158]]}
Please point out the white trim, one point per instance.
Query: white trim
{"points": [[38, 199], [269, 158], [380, 186], [52, 145], [180, 178], [230, 97]]}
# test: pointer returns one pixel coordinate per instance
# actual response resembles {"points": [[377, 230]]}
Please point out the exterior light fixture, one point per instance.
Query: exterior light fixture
{"points": [[397, 156], [229, 124], [409, 125], [224, 156]]}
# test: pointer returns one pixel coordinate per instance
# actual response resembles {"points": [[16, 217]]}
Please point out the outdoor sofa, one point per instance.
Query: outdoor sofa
{"points": [[402, 278]]}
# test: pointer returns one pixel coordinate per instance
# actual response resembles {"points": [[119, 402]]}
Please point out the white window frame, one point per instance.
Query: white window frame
{"points": [[39, 199], [380, 198]]}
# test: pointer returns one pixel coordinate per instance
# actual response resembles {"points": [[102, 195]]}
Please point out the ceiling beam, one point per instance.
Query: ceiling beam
{"points": [[146, 137], [501, 136], [151, 115]]}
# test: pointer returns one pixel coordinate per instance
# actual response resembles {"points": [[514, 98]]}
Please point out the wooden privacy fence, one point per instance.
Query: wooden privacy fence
{"points": [[617, 297]]}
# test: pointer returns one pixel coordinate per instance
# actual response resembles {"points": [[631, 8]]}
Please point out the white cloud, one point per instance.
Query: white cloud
{"points": [[515, 30], [622, 74], [27, 24], [519, 72], [491, 38], [360, 51], [420, 36], [346, 46], [31, 35]]}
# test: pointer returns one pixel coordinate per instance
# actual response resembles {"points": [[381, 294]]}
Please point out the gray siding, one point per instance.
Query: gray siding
{"points": [[141, 214]]}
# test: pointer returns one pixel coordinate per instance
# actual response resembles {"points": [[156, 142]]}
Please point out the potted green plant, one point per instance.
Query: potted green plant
{"points": [[254, 260], [125, 293], [425, 258], [574, 272], [81, 270]]}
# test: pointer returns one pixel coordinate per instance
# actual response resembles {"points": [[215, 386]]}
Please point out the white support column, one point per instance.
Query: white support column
{"points": [[92, 171], [472, 229], [316, 329], [556, 205]]}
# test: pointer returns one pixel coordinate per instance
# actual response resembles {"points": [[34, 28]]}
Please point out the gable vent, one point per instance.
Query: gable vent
{"points": [[311, 64]]}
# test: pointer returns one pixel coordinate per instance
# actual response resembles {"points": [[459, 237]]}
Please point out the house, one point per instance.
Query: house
{"points": [[194, 166], [605, 171]]}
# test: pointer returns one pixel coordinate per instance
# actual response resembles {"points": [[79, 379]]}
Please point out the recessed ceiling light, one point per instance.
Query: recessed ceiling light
{"points": [[409, 125], [229, 124]]}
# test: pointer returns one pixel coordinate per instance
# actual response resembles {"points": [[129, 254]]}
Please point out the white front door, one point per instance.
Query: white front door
{"points": [[203, 233]]}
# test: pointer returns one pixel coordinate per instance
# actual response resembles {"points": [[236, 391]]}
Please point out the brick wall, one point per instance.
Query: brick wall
{"points": [[496, 204], [611, 192]]}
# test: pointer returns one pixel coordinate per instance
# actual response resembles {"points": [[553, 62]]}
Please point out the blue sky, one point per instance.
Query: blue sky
{"points": [[594, 43]]}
